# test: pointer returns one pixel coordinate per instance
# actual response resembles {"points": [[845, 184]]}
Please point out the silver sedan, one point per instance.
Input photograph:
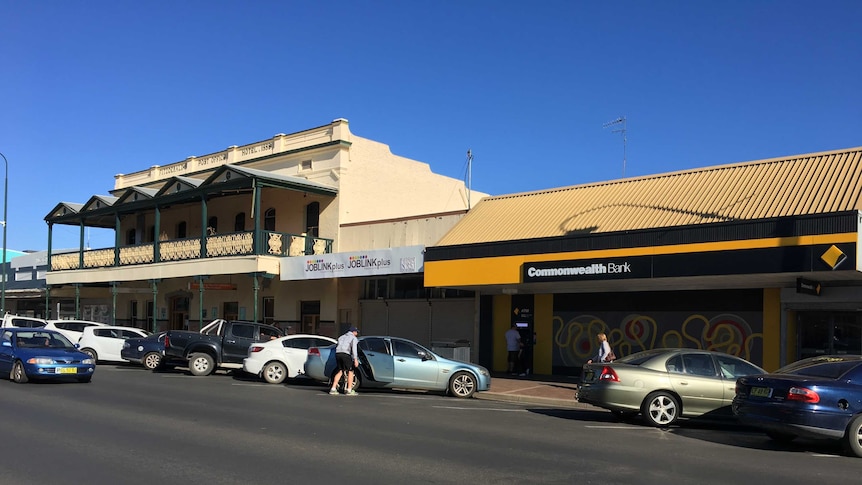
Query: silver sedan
{"points": [[665, 384]]}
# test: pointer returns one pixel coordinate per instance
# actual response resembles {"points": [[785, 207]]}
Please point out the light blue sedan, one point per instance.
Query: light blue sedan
{"points": [[33, 353], [391, 362]]}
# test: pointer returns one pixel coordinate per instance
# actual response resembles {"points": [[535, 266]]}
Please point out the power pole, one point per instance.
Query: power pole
{"points": [[621, 120], [469, 176]]}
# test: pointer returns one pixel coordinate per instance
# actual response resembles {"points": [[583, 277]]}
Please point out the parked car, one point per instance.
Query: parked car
{"points": [[106, 342], [818, 397], [28, 353], [392, 362], [22, 322], [72, 329], [222, 343], [665, 384], [282, 358], [147, 351]]}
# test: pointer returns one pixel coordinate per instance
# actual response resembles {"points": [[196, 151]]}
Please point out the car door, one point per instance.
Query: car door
{"points": [[295, 352], [6, 352], [107, 342], [415, 367], [376, 358], [697, 382], [235, 344]]}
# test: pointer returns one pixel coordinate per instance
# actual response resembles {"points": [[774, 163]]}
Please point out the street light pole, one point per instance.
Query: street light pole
{"points": [[5, 200]]}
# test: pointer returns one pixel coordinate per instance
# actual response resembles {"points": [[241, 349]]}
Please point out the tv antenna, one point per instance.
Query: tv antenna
{"points": [[619, 121], [469, 176]]}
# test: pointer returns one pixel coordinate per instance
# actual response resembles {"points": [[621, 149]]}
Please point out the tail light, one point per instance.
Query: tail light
{"points": [[314, 351], [802, 394], [167, 342], [255, 348], [608, 374]]}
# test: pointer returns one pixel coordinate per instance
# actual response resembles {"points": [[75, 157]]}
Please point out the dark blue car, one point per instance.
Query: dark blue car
{"points": [[147, 351], [818, 397], [34, 353]]}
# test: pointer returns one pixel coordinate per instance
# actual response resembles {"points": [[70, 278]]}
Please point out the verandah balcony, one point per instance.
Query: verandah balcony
{"points": [[269, 243]]}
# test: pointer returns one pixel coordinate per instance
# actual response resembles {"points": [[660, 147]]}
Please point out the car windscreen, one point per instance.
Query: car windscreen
{"points": [[639, 358], [830, 370], [42, 340]]}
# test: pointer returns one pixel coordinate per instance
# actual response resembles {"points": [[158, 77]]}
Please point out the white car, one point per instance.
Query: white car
{"points": [[106, 342], [22, 322], [72, 329], [283, 357]]}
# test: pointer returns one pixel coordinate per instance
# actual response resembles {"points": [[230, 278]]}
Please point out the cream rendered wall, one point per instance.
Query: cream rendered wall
{"points": [[410, 232], [377, 185]]}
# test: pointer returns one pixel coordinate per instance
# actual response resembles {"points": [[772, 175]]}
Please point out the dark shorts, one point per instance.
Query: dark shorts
{"points": [[513, 355], [344, 361]]}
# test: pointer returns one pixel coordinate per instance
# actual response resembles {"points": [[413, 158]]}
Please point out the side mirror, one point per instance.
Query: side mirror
{"points": [[424, 356]]}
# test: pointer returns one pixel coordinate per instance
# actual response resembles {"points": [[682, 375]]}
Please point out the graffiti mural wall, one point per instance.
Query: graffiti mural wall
{"points": [[720, 321]]}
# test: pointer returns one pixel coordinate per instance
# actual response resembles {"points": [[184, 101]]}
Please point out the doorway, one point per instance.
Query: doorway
{"points": [[179, 312], [829, 333], [310, 317]]}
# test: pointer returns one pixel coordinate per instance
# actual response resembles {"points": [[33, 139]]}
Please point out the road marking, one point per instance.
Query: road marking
{"points": [[620, 427]]}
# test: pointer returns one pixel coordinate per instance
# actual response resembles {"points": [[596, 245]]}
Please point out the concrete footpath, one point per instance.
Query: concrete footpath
{"points": [[555, 391]]}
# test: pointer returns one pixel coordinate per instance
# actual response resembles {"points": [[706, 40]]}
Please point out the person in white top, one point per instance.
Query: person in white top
{"points": [[514, 345], [347, 358]]}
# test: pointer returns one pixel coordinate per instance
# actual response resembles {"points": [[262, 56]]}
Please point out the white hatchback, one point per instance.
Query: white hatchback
{"points": [[72, 329], [282, 358], [106, 342]]}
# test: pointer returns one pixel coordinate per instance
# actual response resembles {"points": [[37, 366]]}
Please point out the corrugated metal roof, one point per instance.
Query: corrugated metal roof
{"points": [[803, 184]]}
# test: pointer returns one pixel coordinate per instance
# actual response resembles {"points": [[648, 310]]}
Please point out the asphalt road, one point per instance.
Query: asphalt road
{"points": [[132, 426]]}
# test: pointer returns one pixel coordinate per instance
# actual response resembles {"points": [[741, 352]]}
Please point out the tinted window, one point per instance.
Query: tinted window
{"points": [[106, 332], [674, 364], [242, 331], [377, 345], [640, 357], [832, 370], [698, 365], [299, 343], [406, 349]]}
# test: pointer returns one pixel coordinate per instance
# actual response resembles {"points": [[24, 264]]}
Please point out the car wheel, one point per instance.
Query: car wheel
{"points": [[780, 437], [85, 379], [853, 436], [274, 372], [18, 374], [660, 409], [152, 360], [201, 364], [462, 385], [92, 354]]}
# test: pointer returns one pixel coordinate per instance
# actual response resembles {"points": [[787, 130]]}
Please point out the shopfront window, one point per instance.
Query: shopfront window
{"points": [[829, 333]]}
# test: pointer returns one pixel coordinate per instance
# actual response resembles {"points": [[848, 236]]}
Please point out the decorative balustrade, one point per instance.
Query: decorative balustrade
{"points": [[219, 245]]}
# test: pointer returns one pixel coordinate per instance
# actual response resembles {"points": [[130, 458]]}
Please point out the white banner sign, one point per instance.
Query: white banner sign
{"points": [[405, 260]]}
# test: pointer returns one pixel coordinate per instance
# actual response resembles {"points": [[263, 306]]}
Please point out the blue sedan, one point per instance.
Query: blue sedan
{"points": [[32, 353], [818, 397]]}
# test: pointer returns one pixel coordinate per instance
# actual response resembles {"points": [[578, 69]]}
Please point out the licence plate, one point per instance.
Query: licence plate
{"points": [[761, 391], [67, 370]]}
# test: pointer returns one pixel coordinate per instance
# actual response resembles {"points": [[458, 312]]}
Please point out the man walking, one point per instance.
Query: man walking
{"points": [[347, 359]]}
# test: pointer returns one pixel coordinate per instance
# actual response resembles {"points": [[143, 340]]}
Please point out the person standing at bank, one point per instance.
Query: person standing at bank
{"points": [[604, 349], [514, 345], [347, 359]]}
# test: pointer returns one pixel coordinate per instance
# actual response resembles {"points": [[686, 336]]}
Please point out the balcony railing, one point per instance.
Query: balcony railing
{"points": [[269, 243]]}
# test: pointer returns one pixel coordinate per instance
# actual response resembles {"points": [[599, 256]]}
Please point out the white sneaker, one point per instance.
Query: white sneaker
{"points": [[333, 392], [351, 393]]}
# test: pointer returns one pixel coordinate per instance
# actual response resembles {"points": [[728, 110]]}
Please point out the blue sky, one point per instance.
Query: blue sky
{"points": [[90, 89]]}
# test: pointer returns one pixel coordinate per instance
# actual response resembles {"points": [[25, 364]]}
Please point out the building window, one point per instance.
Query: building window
{"points": [[212, 226], [305, 165], [269, 220], [130, 237], [239, 222], [376, 288], [151, 234], [408, 287], [312, 219], [181, 230]]}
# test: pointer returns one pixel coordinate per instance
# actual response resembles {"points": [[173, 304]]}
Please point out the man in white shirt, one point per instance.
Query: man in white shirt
{"points": [[514, 346]]}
